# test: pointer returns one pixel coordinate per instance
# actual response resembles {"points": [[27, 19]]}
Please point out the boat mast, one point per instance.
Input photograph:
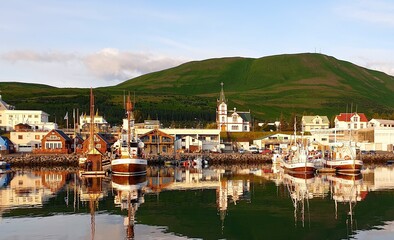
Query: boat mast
{"points": [[129, 109], [91, 125]]}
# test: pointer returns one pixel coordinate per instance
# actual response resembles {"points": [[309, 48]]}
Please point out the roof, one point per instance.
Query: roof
{"points": [[61, 133], [5, 106], [384, 121], [345, 117], [246, 116], [309, 119]]}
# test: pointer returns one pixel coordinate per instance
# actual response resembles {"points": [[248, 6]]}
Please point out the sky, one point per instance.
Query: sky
{"points": [[86, 43]]}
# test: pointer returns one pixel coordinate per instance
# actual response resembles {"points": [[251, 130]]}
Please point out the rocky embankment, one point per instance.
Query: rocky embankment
{"points": [[71, 160]]}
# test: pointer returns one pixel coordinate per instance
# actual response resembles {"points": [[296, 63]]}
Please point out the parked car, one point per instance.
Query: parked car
{"points": [[266, 151], [241, 150], [253, 149], [372, 152]]}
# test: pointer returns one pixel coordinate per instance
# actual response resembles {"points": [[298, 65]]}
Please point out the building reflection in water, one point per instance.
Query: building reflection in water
{"points": [[231, 184]]}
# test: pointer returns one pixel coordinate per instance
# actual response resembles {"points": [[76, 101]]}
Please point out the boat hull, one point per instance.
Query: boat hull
{"points": [[346, 166], [300, 167], [128, 166]]}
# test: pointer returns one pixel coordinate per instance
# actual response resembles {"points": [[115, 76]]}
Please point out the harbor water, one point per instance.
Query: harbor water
{"points": [[217, 202]]}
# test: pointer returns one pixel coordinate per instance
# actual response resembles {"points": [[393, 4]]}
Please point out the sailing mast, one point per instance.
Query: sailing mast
{"points": [[129, 109], [91, 125]]}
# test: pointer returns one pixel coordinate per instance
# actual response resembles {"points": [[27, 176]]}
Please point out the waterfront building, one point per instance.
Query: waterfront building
{"points": [[231, 121], [6, 145], [99, 121], [56, 141], [102, 142], [310, 123], [157, 141], [9, 117], [27, 140], [351, 121], [210, 138]]}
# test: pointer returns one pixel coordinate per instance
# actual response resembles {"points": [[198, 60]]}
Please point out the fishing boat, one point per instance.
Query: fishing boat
{"points": [[128, 150], [296, 160], [129, 196], [343, 158]]}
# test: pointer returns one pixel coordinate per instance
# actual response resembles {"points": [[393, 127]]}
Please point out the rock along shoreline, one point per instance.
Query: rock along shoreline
{"points": [[71, 160]]}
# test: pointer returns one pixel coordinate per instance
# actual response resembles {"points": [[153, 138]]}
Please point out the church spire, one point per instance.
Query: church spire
{"points": [[222, 97]]}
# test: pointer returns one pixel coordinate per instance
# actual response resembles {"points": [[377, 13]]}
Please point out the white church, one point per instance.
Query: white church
{"points": [[232, 120]]}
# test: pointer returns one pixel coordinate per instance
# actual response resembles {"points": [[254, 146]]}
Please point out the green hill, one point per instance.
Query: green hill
{"points": [[269, 86]]}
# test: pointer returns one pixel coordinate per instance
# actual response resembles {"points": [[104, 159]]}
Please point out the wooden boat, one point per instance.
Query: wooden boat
{"points": [[129, 152], [91, 163], [343, 159]]}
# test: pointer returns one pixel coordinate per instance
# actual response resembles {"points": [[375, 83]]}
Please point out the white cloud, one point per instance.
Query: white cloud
{"points": [[32, 56], [114, 64], [373, 11], [111, 65]]}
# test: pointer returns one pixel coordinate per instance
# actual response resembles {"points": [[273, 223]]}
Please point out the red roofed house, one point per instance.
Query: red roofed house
{"points": [[351, 121]]}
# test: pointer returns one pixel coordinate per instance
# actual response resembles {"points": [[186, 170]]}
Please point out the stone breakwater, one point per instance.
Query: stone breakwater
{"points": [[33, 160], [71, 160]]}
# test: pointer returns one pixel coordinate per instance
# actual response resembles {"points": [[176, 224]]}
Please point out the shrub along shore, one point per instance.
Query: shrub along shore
{"points": [[71, 160]]}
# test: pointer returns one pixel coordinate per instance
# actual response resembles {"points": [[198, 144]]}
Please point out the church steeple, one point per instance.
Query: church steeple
{"points": [[222, 97]]}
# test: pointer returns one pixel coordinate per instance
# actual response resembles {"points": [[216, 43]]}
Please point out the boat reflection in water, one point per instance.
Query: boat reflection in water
{"points": [[299, 187], [129, 196], [348, 189], [91, 191]]}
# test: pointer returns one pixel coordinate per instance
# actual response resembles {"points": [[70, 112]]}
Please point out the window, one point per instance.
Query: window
{"points": [[37, 137], [20, 136], [235, 118], [35, 116], [98, 145], [222, 119], [234, 127], [29, 116], [324, 139], [355, 126], [246, 128]]}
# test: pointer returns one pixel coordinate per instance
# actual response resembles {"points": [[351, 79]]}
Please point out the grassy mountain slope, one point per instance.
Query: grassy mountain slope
{"points": [[297, 83], [313, 83]]}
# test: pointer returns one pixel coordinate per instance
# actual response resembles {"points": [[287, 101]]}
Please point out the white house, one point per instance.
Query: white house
{"points": [[27, 141], [310, 123], [231, 121], [351, 121], [9, 117], [98, 120], [383, 135]]}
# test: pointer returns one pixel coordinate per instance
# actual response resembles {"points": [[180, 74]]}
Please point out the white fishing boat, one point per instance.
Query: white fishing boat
{"points": [[343, 158], [296, 160], [128, 150]]}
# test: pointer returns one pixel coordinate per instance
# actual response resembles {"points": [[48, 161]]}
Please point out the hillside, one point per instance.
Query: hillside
{"points": [[269, 86]]}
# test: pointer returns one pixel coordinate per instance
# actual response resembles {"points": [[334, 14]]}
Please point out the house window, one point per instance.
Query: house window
{"points": [[37, 137], [324, 139], [20, 136], [234, 127], [1, 122], [35, 116], [98, 145], [29, 116], [355, 126], [235, 118], [222, 119], [246, 128]]}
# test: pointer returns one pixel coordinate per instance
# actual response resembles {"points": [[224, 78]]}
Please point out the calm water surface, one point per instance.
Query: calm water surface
{"points": [[235, 202]]}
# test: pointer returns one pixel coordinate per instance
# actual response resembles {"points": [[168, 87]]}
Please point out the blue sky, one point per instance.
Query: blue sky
{"points": [[79, 43]]}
